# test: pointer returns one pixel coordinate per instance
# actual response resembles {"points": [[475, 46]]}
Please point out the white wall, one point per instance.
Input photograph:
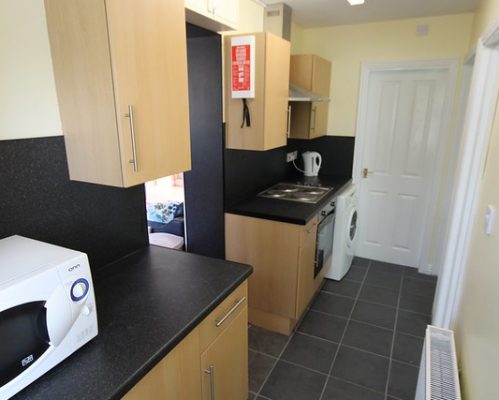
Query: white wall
{"points": [[28, 100]]}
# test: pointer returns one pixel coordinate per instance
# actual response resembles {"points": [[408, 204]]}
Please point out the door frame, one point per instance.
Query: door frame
{"points": [[480, 114], [449, 65]]}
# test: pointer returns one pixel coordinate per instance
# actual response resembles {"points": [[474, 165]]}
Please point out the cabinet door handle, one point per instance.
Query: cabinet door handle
{"points": [[288, 127], [238, 303], [211, 372], [314, 117], [132, 136]]}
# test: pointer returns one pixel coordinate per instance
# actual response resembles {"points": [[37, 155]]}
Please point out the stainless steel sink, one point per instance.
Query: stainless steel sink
{"points": [[298, 193]]}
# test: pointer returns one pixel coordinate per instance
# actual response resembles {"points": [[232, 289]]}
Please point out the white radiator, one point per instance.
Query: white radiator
{"points": [[438, 376]]}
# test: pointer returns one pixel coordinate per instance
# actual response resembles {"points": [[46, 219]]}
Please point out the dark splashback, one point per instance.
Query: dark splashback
{"points": [[37, 200], [247, 172], [336, 152]]}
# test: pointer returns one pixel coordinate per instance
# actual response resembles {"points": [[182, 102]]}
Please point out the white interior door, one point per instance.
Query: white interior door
{"points": [[402, 133]]}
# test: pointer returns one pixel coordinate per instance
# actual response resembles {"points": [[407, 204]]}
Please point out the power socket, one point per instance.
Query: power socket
{"points": [[292, 156]]}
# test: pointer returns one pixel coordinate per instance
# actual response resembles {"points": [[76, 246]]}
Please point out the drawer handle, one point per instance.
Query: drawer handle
{"points": [[211, 372], [238, 303]]}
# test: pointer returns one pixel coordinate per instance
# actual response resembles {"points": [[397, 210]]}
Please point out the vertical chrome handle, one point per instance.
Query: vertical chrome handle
{"points": [[211, 372], [313, 118], [288, 128], [132, 135]]}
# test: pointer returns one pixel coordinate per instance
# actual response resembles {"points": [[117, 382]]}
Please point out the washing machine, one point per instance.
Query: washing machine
{"points": [[345, 234]]}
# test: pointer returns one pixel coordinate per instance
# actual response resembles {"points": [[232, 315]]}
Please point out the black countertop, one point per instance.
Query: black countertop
{"points": [[289, 211], [147, 303]]}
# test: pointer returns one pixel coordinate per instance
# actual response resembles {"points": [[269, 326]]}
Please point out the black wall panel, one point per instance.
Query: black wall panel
{"points": [[37, 200]]}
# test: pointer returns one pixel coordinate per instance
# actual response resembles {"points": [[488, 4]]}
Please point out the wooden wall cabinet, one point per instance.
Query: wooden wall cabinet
{"points": [[121, 76], [213, 358], [215, 15], [282, 256], [313, 73], [269, 108]]}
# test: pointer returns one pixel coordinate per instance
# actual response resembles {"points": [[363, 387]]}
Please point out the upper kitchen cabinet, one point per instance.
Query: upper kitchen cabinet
{"points": [[121, 74], [312, 73], [268, 108], [214, 15]]}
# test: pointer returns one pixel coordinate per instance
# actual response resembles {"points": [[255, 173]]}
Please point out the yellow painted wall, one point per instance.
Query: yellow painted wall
{"points": [[484, 16], [477, 323], [347, 46], [477, 326], [251, 16], [28, 100]]}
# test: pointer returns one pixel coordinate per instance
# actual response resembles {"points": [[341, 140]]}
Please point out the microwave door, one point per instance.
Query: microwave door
{"points": [[23, 338]]}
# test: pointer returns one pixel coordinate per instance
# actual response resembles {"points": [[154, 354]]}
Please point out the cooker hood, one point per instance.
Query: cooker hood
{"points": [[299, 94], [277, 19]]}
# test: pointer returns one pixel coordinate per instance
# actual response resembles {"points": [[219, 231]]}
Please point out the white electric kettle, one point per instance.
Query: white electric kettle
{"points": [[311, 163]]}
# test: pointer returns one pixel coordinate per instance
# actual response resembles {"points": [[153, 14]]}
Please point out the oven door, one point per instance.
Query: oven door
{"points": [[325, 233], [23, 338]]}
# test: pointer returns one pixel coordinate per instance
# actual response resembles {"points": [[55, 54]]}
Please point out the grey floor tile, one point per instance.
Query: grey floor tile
{"points": [[368, 337], [322, 325], [408, 349], [356, 273], [266, 341], [345, 288], [415, 303], [332, 304], [365, 369], [419, 287], [379, 294], [375, 314], [411, 323], [310, 352], [383, 278], [360, 262], [258, 369], [290, 382], [403, 381], [381, 266], [413, 273], [251, 396], [340, 390]]}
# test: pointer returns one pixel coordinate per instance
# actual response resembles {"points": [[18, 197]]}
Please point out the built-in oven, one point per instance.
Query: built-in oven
{"points": [[325, 236]]}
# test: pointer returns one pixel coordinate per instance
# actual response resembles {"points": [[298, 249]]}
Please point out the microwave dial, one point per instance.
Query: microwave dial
{"points": [[79, 289]]}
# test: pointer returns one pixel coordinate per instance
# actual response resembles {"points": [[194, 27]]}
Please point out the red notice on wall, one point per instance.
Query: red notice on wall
{"points": [[243, 67]]}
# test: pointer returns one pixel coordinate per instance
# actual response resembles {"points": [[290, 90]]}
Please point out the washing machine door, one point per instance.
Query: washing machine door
{"points": [[352, 228]]}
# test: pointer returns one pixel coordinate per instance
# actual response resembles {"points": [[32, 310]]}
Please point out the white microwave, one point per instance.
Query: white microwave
{"points": [[47, 309]]}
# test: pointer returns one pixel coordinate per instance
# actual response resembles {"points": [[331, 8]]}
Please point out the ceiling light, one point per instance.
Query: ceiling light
{"points": [[355, 2]]}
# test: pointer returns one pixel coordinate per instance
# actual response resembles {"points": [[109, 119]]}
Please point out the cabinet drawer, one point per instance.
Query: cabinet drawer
{"points": [[223, 315]]}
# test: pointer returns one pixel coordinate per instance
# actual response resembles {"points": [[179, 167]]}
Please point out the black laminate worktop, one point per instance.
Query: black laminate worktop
{"points": [[147, 303], [289, 211]]}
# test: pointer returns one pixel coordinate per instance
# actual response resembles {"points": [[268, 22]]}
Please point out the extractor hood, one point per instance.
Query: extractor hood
{"points": [[299, 94]]}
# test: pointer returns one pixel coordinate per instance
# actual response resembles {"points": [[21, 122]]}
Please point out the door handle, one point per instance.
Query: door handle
{"points": [[366, 172], [211, 372], [313, 118], [288, 130], [132, 138]]}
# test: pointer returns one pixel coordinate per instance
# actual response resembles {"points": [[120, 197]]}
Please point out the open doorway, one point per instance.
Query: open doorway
{"points": [[165, 211]]}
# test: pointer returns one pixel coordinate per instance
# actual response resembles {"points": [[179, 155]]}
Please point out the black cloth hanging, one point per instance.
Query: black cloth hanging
{"points": [[246, 115]]}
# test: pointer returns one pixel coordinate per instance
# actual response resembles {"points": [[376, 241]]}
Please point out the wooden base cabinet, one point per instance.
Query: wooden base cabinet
{"points": [[210, 363], [269, 108], [120, 69], [282, 255], [175, 377], [225, 362], [313, 73]]}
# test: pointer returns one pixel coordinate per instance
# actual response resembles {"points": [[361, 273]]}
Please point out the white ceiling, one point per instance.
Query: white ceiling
{"points": [[314, 13]]}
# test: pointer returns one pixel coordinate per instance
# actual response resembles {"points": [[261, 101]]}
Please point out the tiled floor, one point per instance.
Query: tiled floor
{"points": [[361, 340]]}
